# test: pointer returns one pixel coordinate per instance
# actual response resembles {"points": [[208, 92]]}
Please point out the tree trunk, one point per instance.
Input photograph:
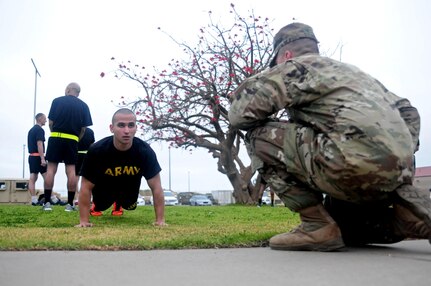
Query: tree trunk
{"points": [[240, 189], [243, 189]]}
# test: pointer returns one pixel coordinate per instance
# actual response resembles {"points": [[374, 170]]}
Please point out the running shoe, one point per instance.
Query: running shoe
{"points": [[93, 211], [117, 210], [69, 208], [47, 207]]}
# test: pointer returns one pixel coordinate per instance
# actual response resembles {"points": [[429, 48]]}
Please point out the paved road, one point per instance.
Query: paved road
{"points": [[405, 263]]}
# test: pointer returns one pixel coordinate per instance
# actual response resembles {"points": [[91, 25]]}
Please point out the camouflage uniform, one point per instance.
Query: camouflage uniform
{"points": [[347, 135]]}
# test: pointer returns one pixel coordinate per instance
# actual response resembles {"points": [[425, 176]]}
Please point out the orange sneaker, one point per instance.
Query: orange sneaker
{"points": [[93, 211], [117, 210]]}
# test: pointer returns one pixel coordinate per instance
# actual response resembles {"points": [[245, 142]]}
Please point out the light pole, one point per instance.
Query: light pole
{"points": [[169, 168], [188, 180], [35, 89], [23, 160]]}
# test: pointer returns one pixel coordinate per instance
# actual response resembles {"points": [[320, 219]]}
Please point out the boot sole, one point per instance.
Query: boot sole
{"points": [[332, 245]]}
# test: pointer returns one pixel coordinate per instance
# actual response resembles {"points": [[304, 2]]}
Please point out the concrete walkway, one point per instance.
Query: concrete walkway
{"points": [[404, 263]]}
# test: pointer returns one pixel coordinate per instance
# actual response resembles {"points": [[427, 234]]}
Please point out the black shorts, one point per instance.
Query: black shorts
{"points": [[34, 163], [103, 199], [61, 150]]}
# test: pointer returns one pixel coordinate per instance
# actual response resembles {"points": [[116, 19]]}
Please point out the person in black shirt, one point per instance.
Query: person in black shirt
{"points": [[113, 169], [68, 118], [83, 145], [36, 158]]}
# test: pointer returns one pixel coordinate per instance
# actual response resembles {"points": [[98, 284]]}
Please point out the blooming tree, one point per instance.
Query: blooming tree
{"points": [[187, 103]]}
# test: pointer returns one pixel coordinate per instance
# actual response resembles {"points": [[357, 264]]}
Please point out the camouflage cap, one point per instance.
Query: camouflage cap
{"points": [[288, 34]]}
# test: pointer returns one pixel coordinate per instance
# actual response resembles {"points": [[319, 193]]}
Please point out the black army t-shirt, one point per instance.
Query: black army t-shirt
{"points": [[119, 172], [35, 134]]}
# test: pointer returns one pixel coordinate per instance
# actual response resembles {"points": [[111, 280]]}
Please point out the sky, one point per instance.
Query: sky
{"points": [[73, 41]]}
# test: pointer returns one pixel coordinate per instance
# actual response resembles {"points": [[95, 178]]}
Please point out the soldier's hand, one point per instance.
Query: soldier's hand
{"points": [[84, 224], [160, 224]]}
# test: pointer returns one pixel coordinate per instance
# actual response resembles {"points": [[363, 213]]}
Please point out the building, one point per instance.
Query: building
{"points": [[223, 197], [13, 190], [423, 177]]}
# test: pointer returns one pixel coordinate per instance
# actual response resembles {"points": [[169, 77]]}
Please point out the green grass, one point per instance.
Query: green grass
{"points": [[24, 227]]}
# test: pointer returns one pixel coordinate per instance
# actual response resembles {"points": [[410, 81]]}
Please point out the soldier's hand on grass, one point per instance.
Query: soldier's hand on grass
{"points": [[84, 224], [160, 224]]}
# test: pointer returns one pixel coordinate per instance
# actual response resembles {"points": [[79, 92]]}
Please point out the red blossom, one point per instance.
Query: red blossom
{"points": [[248, 69]]}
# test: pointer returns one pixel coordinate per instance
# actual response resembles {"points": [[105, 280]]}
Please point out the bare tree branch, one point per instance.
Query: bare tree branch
{"points": [[186, 104]]}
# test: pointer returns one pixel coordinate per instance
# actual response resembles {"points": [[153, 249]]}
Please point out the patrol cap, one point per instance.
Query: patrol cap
{"points": [[288, 34]]}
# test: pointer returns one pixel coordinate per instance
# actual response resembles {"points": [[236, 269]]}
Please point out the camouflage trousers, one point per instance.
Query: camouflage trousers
{"points": [[300, 165]]}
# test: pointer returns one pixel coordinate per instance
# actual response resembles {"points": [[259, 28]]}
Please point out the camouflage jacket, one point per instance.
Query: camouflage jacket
{"points": [[331, 97]]}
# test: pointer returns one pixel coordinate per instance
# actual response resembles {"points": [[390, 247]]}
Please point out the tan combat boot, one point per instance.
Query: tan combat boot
{"points": [[317, 232], [412, 208]]}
